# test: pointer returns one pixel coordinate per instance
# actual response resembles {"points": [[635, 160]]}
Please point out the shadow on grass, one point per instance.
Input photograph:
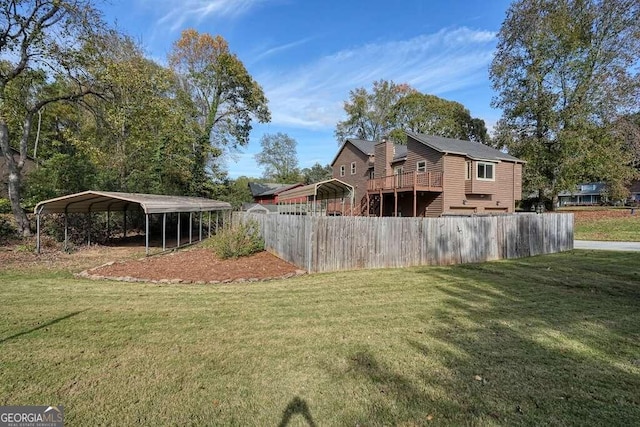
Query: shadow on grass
{"points": [[297, 406], [44, 325], [541, 340], [548, 339]]}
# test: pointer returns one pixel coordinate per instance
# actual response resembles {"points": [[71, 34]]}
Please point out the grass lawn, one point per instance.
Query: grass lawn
{"points": [[589, 225], [613, 229], [549, 340]]}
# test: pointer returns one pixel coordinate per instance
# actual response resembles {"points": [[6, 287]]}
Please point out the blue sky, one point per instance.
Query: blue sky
{"points": [[308, 55]]}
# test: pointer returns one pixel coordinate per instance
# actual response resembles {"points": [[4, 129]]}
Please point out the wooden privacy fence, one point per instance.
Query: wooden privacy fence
{"points": [[321, 244]]}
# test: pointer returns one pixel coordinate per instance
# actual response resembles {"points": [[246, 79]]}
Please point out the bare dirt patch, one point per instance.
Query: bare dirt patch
{"points": [[199, 265]]}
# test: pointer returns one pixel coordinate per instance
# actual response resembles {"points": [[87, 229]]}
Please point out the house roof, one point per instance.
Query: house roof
{"points": [[474, 150], [369, 147], [248, 207], [585, 189], [102, 201], [325, 190], [259, 189]]}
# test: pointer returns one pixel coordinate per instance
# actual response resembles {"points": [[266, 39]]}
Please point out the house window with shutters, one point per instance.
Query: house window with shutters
{"points": [[353, 168], [342, 170]]}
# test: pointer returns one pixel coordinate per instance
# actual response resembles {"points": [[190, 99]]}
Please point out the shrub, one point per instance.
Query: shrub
{"points": [[7, 231], [241, 240], [5, 206]]}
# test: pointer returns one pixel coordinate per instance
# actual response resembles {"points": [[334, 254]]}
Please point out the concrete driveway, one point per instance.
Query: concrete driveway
{"points": [[606, 246]]}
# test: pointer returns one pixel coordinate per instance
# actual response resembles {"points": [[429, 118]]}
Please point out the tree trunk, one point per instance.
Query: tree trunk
{"points": [[15, 170], [14, 196]]}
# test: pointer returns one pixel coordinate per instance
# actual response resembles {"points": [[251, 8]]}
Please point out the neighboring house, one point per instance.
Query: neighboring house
{"points": [[430, 176], [4, 170], [258, 208], [589, 193], [267, 193]]}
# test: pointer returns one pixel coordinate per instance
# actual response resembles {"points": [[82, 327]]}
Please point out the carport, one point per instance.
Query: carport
{"points": [[102, 201], [303, 200]]}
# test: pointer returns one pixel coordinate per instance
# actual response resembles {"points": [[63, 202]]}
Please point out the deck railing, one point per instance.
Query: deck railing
{"points": [[407, 180]]}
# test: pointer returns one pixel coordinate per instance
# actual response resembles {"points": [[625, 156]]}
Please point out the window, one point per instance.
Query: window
{"points": [[371, 174], [421, 166], [398, 170], [353, 168], [342, 170], [467, 174], [485, 171]]}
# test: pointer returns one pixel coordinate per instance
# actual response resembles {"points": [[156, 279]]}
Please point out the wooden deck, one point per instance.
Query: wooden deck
{"points": [[408, 181]]}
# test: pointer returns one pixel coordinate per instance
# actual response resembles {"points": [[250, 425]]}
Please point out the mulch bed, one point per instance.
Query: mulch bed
{"points": [[196, 266]]}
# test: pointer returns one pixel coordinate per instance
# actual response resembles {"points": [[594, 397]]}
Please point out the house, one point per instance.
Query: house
{"points": [[589, 193], [429, 176], [267, 193], [29, 165], [258, 208]]}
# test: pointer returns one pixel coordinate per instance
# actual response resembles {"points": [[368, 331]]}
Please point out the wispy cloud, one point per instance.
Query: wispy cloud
{"points": [[280, 49], [311, 96], [197, 10]]}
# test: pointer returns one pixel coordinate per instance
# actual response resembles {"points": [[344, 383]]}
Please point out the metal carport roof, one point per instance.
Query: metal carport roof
{"points": [[325, 190], [106, 201], [102, 201]]}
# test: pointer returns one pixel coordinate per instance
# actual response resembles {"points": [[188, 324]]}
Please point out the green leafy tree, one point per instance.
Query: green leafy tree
{"points": [[370, 114], [224, 99], [565, 70], [59, 175], [432, 115], [316, 173], [279, 158], [236, 191], [40, 39], [390, 109], [141, 135]]}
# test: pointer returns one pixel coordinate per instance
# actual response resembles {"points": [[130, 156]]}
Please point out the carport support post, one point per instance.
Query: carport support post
{"points": [[178, 244], [190, 226], [164, 231], [38, 233], [66, 229], [200, 226], [124, 223], [146, 234], [209, 228], [217, 220], [89, 229]]}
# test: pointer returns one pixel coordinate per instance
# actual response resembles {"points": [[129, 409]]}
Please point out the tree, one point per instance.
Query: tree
{"points": [[432, 115], [279, 158], [40, 39], [565, 70], [236, 191], [628, 128], [224, 98], [141, 136], [391, 108], [369, 115], [317, 173]]}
